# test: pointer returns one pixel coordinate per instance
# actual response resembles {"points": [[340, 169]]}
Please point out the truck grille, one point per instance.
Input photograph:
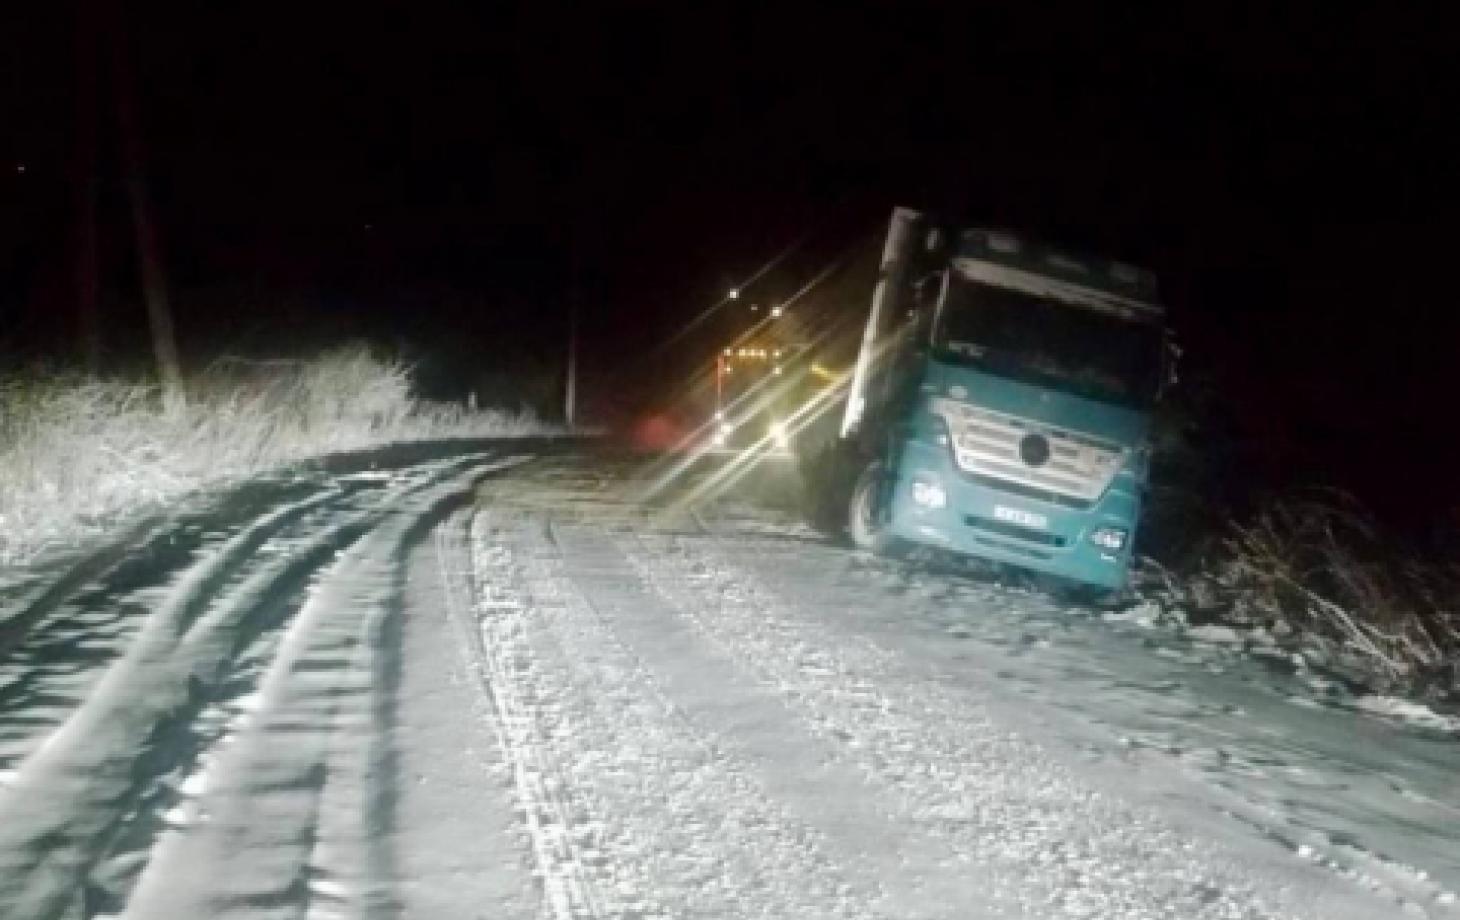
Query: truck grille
{"points": [[985, 443]]}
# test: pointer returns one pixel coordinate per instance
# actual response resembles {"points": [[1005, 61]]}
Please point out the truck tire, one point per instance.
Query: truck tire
{"points": [[867, 513], [828, 474]]}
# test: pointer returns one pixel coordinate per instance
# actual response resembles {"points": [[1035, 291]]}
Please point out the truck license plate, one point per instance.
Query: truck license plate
{"points": [[1020, 516]]}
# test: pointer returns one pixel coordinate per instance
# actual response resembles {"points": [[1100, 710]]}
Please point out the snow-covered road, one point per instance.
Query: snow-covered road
{"points": [[372, 695]]}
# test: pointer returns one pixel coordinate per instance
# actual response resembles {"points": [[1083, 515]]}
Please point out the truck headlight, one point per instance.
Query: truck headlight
{"points": [[778, 434], [929, 493], [1111, 538]]}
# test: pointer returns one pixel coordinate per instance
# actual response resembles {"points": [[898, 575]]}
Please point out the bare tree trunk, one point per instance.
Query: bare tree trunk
{"points": [[84, 186], [149, 246]]}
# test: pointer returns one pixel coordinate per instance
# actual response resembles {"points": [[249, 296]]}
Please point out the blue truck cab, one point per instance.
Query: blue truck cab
{"points": [[1001, 402]]}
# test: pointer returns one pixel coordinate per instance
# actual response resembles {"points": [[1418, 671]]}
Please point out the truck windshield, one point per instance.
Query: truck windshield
{"points": [[1048, 342]]}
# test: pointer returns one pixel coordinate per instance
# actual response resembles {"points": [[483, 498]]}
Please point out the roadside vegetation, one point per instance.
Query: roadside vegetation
{"points": [[77, 452], [1307, 572]]}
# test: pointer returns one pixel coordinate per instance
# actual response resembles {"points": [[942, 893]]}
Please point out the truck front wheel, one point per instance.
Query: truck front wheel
{"points": [[867, 513]]}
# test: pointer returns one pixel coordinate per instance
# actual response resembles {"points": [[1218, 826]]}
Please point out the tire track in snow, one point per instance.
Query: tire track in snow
{"points": [[231, 646], [24, 608], [492, 621], [96, 782], [299, 807], [56, 807], [158, 542], [74, 637], [633, 812], [462, 848]]}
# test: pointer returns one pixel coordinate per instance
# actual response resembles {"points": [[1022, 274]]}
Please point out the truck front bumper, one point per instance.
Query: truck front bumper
{"points": [[978, 518]]}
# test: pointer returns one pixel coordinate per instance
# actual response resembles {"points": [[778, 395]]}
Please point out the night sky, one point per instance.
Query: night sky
{"points": [[449, 181]]}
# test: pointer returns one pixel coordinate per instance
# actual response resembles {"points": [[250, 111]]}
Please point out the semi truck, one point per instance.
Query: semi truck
{"points": [[1000, 404]]}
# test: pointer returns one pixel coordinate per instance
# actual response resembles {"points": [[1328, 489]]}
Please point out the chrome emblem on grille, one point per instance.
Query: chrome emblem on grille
{"points": [[1034, 449]]}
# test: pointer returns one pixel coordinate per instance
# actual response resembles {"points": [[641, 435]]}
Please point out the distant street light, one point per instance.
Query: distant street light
{"points": [[734, 294], [20, 168], [777, 310]]}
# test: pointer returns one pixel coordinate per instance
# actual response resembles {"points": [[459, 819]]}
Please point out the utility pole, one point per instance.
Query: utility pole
{"points": [[149, 247], [570, 390], [575, 287]]}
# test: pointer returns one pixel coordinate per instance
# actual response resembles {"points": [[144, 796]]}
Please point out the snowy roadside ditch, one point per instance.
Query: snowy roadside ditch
{"points": [[1342, 673], [1359, 785]]}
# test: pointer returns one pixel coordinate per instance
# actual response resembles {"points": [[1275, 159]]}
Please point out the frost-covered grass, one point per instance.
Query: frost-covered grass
{"points": [[77, 453], [1320, 575]]}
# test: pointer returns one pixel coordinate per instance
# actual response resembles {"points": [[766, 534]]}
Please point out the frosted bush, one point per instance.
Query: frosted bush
{"points": [[77, 453]]}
